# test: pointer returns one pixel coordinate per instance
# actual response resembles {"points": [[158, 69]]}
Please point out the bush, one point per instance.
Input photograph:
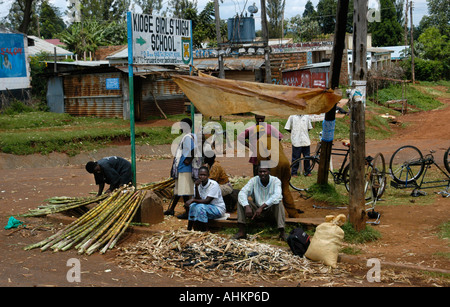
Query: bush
{"points": [[425, 70], [16, 107]]}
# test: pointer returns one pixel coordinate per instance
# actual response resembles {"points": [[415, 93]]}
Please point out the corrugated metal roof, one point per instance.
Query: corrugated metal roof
{"points": [[309, 66], [122, 54], [229, 63], [398, 52], [82, 63], [146, 70], [41, 45]]}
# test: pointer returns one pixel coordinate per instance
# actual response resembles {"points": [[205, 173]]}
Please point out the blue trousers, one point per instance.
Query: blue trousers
{"points": [[203, 212], [297, 152]]}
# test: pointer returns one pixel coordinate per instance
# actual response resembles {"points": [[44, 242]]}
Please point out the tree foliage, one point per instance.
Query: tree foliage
{"points": [[50, 20], [326, 13], [388, 32], [275, 12]]}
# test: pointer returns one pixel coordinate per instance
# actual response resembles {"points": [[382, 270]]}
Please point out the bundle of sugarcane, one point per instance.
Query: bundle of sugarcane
{"points": [[101, 226], [162, 188], [62, 203]]}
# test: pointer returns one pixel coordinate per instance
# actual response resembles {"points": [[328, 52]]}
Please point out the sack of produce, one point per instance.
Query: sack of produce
{"points": [[327, 241]]}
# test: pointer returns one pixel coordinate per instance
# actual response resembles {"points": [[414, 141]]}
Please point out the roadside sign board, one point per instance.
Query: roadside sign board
{"points": [[154, 40], [161, 40]]}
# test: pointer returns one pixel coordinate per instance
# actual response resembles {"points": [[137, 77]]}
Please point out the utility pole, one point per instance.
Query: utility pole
{"points": [[265, 33], [219, 40], [412, 45], [406, 25], [357, 213], [330, 116]]}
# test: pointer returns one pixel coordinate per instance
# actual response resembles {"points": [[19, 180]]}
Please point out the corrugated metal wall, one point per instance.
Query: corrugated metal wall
{"points": [[87, 95], [168, 95]]}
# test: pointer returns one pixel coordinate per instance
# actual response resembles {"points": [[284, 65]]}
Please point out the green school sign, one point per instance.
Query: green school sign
{"points": [[155, 40]]}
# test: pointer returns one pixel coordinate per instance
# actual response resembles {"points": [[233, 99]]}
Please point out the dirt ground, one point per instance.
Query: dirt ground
{"points": [[409, 243]]}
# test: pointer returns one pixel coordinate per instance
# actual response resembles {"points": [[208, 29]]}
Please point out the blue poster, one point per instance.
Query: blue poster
{"points": [[112, 84], [12, 56]]}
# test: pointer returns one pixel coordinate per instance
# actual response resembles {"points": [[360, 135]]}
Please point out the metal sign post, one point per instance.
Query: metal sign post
{"points": [[131, 95]]}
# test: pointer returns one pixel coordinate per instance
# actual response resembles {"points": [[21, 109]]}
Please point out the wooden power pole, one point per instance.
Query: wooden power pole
{"points": [[412, 45], [219, 40], [265, 33], [336, 63], [357, 214]]}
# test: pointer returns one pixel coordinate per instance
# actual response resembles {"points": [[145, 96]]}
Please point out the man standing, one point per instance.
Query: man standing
{"points": [[265, 193], [299, 126], [115, 171]]}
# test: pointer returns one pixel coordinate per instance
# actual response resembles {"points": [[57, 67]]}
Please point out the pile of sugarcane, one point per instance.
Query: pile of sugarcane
{"points": [[163, 189], [62, 203], [101, 227]]}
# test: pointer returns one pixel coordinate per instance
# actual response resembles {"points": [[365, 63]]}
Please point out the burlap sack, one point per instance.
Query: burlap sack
{"points": [[327, 241]]}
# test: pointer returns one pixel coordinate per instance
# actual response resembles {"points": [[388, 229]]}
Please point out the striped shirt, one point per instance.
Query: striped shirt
{"points": [[269, 195]]}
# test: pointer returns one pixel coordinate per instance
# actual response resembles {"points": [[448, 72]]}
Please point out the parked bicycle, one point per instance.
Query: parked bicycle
{"points": [[374, 175], [407, 165]]}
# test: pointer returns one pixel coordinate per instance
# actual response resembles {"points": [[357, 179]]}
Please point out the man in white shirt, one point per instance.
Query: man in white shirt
{"points": [[207, 203], [266, 202], [299, 126]]}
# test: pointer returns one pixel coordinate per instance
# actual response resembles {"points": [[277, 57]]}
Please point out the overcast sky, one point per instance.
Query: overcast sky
{"points": [[230, 8]]}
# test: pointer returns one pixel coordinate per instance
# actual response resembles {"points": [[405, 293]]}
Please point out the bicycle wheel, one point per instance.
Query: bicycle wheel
{"points": [[378, 175], [406, 164], [307, 171], [346, 177], [447, 160]]}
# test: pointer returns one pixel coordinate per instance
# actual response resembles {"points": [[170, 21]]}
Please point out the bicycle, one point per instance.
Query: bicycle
{"points": [[307, 166], [407, 165], [374, 175]]}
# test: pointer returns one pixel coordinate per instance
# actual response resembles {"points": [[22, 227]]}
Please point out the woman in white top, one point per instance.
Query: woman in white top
{"points": [[207, 203]]}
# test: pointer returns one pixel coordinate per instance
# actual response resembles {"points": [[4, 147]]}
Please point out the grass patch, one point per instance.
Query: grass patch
{"points": [[418, 98], [327, 193], [368, 234]]}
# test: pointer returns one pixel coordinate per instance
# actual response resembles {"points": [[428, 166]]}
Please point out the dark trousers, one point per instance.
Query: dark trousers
{"points": [[297, 152]]}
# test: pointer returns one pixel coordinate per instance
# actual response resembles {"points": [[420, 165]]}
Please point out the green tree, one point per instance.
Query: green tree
{"points": [[309, 10], [50, 20], [84, 36], [388, 32], [21, 17], [303, 29], [150, 6], [439, 11], [275, 11], [104, 10], [326, 12]]}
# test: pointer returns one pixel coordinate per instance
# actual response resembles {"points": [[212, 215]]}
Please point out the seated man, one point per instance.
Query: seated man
{"points": [[265, 193], [207, 203], [115, 171]]}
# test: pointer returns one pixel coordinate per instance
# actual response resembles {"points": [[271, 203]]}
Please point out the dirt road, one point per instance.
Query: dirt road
{"points": [[409, 232]]}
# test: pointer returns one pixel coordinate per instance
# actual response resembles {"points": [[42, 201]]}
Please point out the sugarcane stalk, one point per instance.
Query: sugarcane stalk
{"points": [[130, 218], [102, 235], [122, 222], [61, 234], [131, 203], [107, 213], [51, 209]]}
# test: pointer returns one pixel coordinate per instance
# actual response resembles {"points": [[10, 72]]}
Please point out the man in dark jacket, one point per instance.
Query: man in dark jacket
{"points": [[115, 171]]}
